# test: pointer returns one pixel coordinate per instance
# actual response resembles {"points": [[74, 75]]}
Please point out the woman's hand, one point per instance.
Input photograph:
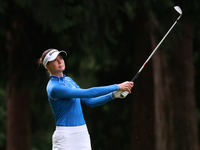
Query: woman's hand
{"points": [[126, 86]]}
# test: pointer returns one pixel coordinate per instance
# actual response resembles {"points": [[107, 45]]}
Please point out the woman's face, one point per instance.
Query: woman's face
{"points": [[56, 66]]}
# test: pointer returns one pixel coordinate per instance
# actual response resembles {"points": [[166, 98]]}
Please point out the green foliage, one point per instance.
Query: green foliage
{"points": [[3, 5], [54, 15], [129, 9]]}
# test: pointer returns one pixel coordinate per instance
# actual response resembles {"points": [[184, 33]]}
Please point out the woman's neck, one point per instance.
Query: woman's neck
{"points": [[57, 74]]}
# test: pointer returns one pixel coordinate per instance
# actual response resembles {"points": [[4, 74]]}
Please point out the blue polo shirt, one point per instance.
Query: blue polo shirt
{"points": [[65, 98]]}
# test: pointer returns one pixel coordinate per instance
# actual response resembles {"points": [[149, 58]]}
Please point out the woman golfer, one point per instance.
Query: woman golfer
{"points": [[65, 98]]}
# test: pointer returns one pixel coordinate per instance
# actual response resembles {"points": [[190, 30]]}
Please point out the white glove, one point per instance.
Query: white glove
{"points": [[117, 94]]}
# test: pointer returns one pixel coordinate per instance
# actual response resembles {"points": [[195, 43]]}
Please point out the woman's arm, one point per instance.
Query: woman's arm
{"points": [[62, 91], [97, 101]]}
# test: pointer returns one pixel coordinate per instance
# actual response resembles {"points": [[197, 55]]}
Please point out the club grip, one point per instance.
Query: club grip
{"points": [[125, 93], [135, 77]]}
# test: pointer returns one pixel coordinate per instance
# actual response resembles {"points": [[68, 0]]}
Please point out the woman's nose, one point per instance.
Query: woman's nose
{"points": [[58, 60]]}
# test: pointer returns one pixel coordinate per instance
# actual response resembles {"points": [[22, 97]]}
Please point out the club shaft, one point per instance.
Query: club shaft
{"points": [[157, 47], [125, 93]]}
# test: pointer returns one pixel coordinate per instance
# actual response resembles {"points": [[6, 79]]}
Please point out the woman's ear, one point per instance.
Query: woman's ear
{"points": [[47, 66]]}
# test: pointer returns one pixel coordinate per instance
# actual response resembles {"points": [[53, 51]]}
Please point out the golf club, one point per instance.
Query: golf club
{"points": [[178, 9]]}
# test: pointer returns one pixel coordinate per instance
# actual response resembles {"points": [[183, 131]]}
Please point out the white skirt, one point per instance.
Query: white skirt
{"points": [[71, 138]]}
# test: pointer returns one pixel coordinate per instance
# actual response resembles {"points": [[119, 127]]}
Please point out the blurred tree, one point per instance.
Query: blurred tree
{"points": [[18, 91], [23, 41], [142, 129], [175, 118]]}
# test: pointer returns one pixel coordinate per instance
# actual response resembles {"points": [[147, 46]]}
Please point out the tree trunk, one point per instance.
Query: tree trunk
{"points": [[18, 116], [175, 118], [142, 135]]}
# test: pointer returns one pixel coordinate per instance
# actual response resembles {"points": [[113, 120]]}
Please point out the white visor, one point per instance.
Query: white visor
{"points": [[52, 56]]}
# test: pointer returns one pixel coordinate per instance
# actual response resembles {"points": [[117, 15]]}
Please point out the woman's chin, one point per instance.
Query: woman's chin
{"points": [[62, 68]]}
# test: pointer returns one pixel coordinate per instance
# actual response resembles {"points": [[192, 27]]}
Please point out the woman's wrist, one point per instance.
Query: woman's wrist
{"points": [[113, 94]]}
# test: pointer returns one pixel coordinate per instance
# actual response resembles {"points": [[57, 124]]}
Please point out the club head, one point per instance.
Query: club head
{"points": [[178, 9]]}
